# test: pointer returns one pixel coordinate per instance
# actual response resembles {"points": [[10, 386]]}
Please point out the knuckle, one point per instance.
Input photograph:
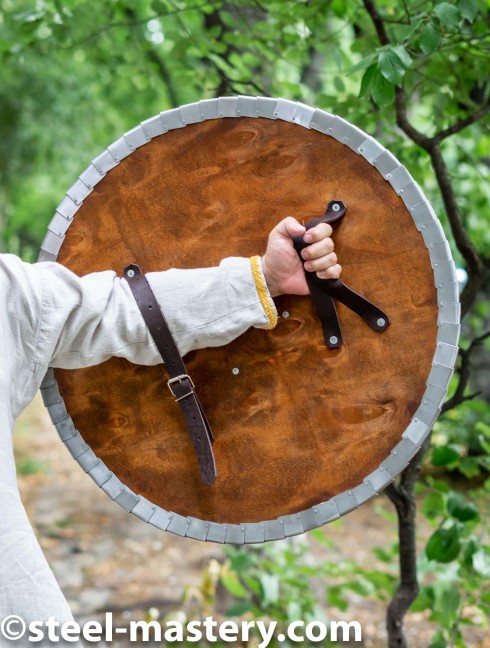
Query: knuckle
{"points": [[314, 265]]}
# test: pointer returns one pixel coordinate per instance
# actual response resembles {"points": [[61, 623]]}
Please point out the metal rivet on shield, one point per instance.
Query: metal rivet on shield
{"points": [[235, 371], [130, 274], [334, 339], [285, 314], [381, 322]]}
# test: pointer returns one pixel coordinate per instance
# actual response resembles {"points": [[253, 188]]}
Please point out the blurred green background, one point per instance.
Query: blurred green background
{"points": [[76, 74]]}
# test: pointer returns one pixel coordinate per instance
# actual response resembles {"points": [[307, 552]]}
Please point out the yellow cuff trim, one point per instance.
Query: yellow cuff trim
{"points": [[263, 292]]}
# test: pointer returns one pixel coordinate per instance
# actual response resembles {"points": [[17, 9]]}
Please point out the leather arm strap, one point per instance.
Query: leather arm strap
{"points": [[179, 383]]}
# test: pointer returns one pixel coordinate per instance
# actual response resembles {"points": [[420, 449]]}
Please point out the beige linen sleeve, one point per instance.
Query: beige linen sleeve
{"points": [[87, 320]]}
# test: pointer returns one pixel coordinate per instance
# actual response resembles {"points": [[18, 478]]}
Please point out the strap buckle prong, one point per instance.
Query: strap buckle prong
{"points": [[179, 379]]}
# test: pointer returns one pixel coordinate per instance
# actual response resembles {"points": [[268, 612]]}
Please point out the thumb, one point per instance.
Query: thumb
{"points": [[289, 227]]}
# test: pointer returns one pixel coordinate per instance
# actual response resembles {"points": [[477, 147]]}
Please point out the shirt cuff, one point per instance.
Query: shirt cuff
{"points": [[263, 292]]}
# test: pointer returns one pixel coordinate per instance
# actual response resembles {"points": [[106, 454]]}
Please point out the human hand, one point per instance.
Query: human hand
{"points": [[283, 270]]}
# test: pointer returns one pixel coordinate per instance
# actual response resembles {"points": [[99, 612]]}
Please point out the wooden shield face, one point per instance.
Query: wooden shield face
{"points": [[303, 434]]}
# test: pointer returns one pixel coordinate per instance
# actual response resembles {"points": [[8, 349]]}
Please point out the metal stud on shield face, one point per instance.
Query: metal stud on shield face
{"points": [[309, 421]]}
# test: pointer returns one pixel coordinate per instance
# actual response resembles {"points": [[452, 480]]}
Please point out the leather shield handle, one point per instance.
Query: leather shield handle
{"points": [[179, 383], [323, 291]]}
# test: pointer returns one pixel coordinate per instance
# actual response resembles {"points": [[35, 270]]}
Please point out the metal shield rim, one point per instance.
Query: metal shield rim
{"points": [[443, 362]]}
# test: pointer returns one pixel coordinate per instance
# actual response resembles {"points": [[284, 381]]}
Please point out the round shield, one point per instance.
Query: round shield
{"points": [[303, 433]]}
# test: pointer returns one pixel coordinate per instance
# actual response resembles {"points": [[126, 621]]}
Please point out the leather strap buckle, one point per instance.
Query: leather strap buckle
{"points": [[181, 386], [179, 379]]}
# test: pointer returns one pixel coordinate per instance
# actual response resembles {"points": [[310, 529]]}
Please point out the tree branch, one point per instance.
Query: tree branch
{"points": [[154, 58], [136, 22], [474, 262], [462, 123], [402, 121], [165, 74], [377, 21], [402, 496]]}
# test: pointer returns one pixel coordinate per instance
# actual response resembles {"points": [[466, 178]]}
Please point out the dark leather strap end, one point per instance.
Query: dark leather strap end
{"points": [[179, 382]]}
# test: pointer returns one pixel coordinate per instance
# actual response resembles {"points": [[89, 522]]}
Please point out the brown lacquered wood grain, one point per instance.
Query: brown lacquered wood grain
{"points": [[299, 423]]}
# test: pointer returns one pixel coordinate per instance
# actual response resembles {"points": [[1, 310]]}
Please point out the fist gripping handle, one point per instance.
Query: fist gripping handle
{"points": [[324, 291]]}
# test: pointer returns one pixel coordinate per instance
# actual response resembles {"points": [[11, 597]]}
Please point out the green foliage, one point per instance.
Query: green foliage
{"points": [[74, 79], [285, 583], [455, 566], [461, 441]]}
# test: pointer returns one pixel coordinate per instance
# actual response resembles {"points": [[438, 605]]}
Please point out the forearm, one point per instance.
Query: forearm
{"points": [[90, 319]]}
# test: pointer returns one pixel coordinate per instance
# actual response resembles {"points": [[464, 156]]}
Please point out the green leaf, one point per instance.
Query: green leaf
{"points": [[425, 599], [448, 602], [383, 555], [367, 80], [469, 467], [405, 32], [468, 9], [159, 7], [358, 586], [445, 455], [233, 585], [440, 485], [433, 505], [383, 90], [403, 55], [483, 428], [444, 545], [252, 583], [391, 66], [239, 608], [472, 546], [293, 610], [270, 589], [481, 563], [339, 84], [448, 14], [438, 640], [336, 598], [460, 508], [484, 443], [240, 561], [363, 63]]}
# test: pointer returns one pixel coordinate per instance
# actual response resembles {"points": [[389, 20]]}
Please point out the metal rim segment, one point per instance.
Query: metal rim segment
{"points": [[449, 312]]}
